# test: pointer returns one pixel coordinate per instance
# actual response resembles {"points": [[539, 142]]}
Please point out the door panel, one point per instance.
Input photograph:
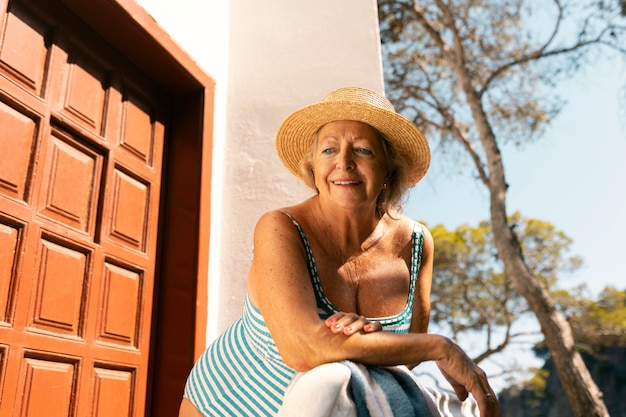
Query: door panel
{"points": [[120, 317], [47, 381], [11, 237], [71, 184], [24, 32], [81, 150], [60, 282], [113, 391], [18, 141]]}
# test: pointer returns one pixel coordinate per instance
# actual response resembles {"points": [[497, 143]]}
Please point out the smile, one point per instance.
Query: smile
{"points": [[346, 182]]}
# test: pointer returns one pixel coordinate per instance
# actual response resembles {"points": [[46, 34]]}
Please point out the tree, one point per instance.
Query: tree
{"points": [[477, 74], [599, 326], [472, 293], [595, 323]]}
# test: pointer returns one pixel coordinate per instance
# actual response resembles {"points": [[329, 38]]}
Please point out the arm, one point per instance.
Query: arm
{"points": [[279, 285]]}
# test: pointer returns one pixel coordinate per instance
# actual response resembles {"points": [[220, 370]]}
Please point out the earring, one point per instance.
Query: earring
{"points": [[384, 185]]}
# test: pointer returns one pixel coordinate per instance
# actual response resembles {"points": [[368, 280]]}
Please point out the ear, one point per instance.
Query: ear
{"points": [[317, 190]]}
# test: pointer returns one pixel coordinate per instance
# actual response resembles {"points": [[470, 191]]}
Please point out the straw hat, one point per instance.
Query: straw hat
{"points": [[295, 136]]}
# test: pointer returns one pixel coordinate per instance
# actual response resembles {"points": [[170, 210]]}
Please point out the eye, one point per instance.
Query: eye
{"points": [[364, 151], [327, 151]]}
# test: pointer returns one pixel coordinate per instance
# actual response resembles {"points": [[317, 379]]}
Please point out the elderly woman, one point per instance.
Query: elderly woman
{"points": [[342, 277]]}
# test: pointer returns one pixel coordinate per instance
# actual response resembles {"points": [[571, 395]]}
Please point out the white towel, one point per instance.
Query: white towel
{"points": [[321, 392], [330, 390]]}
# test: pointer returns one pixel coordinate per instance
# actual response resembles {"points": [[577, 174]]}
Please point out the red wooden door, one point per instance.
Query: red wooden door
{"points": [[81, 143]]}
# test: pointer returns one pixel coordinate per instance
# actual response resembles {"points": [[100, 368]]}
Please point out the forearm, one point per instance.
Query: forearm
{"points": [[378, 348]]}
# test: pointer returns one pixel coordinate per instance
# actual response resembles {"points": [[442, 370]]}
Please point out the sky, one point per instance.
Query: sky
{"points": [[573, 177]]}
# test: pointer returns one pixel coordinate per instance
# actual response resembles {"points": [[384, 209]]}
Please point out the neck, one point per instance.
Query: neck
{"points": [[350, 231]]}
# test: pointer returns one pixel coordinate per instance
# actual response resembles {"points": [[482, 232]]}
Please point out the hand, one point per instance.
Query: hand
{"points": [[350, 323], [465, 376]]}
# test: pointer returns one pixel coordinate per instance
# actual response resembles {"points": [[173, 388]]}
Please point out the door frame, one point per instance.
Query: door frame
{"points": [[181, 281]]}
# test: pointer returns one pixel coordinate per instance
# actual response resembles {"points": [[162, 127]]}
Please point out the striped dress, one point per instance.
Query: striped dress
{"points": [[242, 374]]}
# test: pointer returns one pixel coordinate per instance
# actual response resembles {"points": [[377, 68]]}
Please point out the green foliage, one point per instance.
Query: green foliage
{"points": [[544, 249], [471, 292], [596, 323], [538, 382], [469, 286], [535, 392], [475, 75]]}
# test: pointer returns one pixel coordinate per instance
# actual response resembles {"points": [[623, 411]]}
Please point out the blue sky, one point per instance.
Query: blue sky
{"points": [[574, 177]]}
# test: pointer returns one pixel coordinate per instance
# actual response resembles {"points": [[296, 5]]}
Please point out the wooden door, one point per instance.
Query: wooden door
{"points": [[81, 144]]}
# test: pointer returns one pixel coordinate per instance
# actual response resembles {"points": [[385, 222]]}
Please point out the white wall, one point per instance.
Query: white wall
{"points": [[268, 57]]}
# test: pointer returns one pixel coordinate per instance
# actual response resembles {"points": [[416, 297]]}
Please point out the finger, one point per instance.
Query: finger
{"points": [[459, 389], [330, 321], [338, 321], [354, 324], [373, 326], [351, 323], [487, 402], [341, 321]]}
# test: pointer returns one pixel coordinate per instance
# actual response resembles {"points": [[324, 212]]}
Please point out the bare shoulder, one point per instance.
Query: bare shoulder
{"points": [[278, 264], [273, 223], [407, 223], [274, 233], [411, 224]]}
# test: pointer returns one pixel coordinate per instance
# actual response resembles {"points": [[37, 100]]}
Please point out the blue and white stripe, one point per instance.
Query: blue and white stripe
{"points": [[242, 372], [398, 323]]}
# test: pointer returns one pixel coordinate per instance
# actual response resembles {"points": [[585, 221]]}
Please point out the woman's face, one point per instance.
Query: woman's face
{"points": [[349, 163]]}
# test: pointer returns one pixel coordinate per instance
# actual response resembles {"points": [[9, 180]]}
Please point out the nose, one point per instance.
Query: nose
{"points": [[345, 160]]}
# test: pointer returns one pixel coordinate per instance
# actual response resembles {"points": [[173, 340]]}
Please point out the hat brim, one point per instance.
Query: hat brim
{"points": [[295, 135]]}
